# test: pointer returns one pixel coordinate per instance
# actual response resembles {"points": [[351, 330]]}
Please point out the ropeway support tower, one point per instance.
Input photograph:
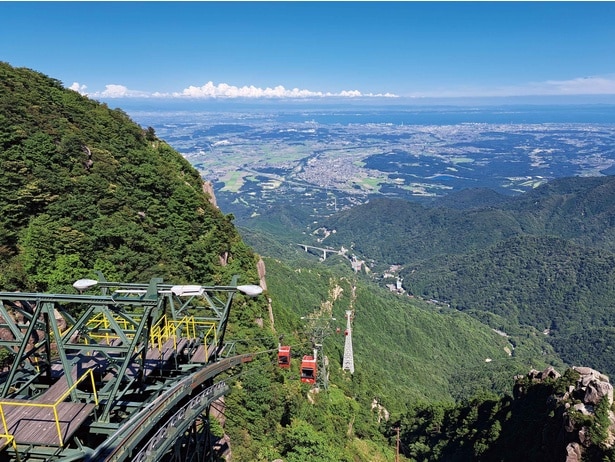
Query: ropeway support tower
{"points": [[348, 364]]}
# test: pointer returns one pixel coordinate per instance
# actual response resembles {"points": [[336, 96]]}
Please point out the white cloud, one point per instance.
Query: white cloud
{"points": [[596, 85], [110, 91], [120, 91], [351, 93], [76, 86], [223, 90], [583, 85], [115, 91]]}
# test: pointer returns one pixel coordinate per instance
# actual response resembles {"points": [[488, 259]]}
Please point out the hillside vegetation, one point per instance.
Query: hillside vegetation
{"points": [[543, 259], [416, 350], [82, 187]]}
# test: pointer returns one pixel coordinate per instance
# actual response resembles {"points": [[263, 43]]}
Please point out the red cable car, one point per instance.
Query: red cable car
{"points": [[308, 369], [284, 357]]}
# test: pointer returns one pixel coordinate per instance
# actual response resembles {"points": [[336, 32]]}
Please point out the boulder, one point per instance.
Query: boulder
{"points": [[550, 373], [596, 390], [588, 374], [583, 409], [574, 452]]}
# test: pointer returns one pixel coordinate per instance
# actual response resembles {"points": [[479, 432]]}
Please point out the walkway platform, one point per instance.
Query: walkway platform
{"points": [[37, 425]]}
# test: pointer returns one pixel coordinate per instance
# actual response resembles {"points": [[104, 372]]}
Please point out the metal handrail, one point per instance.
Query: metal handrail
{"points": [[10, 440], [100, 321], [54, 406], [187, 327]]}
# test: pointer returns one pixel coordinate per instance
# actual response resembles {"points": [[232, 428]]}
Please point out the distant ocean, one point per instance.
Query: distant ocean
{"points": [[362, 113], [457, 115]]}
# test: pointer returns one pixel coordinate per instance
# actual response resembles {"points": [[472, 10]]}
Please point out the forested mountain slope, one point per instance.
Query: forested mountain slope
{"points": [[400, 232], [561, 288], [82, 187], [578, 208], [405, 349], [470, 198], [395, 231], [543, 259], [550, 417]]}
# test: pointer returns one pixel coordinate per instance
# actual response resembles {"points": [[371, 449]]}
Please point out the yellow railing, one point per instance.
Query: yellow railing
{"points": [[211, 332], [163, 330], [158, 333], [54, 406], [100, 321], [10, 440], [187, 327]]}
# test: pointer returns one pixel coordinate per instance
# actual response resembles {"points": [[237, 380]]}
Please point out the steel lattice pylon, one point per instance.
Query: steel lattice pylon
{"points": [[348, 363]]}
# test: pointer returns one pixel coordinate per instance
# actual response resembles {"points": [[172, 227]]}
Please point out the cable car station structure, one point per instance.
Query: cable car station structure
{"points": [[126, 374]]}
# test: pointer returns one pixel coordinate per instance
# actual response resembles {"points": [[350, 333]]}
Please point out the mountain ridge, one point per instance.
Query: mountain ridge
{"points": [[85, 187]]}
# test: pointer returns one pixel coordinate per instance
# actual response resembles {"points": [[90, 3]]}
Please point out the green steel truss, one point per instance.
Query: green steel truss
{"points": [[122, 357]]}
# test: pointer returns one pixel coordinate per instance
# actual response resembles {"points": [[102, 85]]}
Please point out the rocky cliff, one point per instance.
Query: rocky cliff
{"points": [[582, 406]]}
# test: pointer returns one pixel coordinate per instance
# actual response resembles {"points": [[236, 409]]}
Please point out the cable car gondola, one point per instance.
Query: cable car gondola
{"points": [[308, 369], [284, 357]]}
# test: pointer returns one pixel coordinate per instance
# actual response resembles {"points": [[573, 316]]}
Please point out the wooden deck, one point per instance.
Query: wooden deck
{"points": [[155, 359], [33, 421], [55, 391], [37, 425], [203, 353]]}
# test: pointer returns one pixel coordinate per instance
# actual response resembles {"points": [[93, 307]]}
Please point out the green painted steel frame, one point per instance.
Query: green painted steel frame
{"points": [[138, 306], [122, 444]]}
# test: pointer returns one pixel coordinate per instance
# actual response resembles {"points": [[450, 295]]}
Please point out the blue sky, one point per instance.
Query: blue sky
{"points": [[315, 49]]}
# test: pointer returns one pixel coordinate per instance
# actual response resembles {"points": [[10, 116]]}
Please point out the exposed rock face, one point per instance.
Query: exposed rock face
{"points": [[580, 398], [37, 335], [262, 272], [593, 386], [382, 412], [271, 317], [597, 390], [223, 259], [262, 281], [217, 411], [574, 452], [548, 373], [222, 447], [208, 189]]}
